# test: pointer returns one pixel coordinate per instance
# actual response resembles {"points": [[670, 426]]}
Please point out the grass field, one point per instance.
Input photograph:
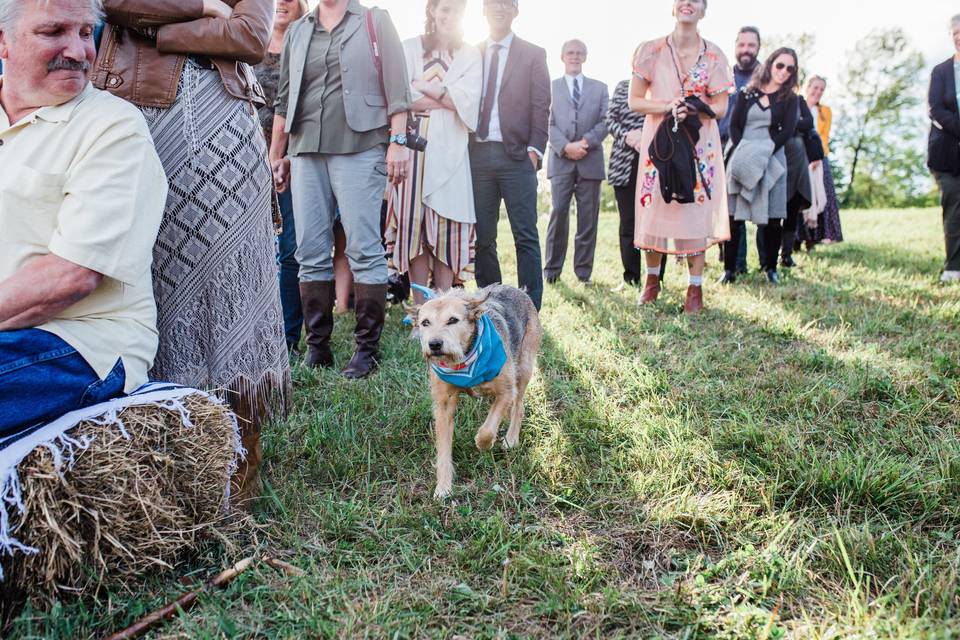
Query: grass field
{"points": [[786, 465]]}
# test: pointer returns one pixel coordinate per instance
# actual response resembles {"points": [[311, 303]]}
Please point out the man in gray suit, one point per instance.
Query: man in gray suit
{"points": [[577, 129]]}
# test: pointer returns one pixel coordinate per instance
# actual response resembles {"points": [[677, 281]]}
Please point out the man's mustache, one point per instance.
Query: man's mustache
{"points": [[63, 64]]}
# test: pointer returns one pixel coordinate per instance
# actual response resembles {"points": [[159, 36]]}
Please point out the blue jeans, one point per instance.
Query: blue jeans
{"points": [[42, 378], [289, 271]]}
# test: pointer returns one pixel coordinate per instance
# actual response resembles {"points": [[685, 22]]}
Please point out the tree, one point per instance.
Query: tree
{"points": [[879, 124]]}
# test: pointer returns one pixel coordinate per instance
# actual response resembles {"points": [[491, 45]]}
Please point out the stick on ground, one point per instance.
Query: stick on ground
{"points": [[184, 602]]}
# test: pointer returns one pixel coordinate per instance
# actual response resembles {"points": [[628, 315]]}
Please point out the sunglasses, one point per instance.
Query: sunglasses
{"points": [[789, 67]]}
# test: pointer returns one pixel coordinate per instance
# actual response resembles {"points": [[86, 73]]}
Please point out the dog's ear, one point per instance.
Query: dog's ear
{"points": [[475, 305]]}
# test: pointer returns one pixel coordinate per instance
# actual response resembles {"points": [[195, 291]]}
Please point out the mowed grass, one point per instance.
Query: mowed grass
{"points": [[786, 465]]}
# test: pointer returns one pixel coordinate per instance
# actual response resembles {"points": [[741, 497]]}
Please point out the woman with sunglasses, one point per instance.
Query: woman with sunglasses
{"points": [[765, 118], [668, 74]]}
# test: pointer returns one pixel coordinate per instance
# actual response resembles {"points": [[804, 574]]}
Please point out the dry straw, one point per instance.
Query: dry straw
{"points": [[128, 506]]}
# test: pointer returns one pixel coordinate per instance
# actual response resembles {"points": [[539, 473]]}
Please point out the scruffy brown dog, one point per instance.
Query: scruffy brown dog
{"points": [[485, 343]]}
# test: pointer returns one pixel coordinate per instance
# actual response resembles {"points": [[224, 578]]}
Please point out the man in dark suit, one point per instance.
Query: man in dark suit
{"points": [[578, 126], [507, 150]]}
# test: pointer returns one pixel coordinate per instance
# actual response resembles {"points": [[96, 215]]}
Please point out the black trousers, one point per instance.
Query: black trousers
{"points": [[950, 201], [769, 238], [631, 257], [498, 178]]}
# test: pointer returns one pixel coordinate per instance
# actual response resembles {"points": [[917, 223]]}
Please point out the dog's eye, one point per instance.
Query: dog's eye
{"points": [[453, 321], [424, 323]]}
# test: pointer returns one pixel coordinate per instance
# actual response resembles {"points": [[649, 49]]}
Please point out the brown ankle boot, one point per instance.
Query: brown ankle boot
{"points": [[694, 304], [317, 300], [371, 303], [651, 290]]}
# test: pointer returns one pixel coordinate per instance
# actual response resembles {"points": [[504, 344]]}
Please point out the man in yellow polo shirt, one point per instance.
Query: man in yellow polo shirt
{"points": [[82, 192]]}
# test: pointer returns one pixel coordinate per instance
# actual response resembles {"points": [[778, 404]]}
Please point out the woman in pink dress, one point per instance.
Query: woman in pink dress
{"points": [[666, 73]]}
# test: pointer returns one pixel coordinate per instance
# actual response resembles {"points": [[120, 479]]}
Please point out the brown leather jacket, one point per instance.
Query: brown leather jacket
{"points": [[146, 43]]}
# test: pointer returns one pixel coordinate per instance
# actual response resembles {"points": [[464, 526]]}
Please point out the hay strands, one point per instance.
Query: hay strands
{"points": [[184, 602]]}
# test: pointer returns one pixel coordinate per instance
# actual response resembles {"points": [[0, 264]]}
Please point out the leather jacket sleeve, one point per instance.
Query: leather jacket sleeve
{"points": [[243, 37], [139, 14]]}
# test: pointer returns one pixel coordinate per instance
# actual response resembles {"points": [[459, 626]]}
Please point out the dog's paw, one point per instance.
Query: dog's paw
{"points": [[485, 440], [511, 441], [442, 492]]}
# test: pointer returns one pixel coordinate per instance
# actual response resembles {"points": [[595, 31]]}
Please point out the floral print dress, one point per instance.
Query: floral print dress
{"points": [[682, 229]]}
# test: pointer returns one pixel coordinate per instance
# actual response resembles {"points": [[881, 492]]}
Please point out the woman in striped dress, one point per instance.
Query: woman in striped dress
{"points": [[431, 218], [626, 127]]}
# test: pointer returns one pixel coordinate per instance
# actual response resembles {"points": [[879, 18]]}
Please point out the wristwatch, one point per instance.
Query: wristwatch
{"points": [[399, 139]]}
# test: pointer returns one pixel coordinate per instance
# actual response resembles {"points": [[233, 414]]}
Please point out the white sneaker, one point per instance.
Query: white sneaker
{"points": [[950, 276]]}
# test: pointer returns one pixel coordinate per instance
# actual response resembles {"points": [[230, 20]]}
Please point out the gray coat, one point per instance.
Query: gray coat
{"points": [[569, 125], [366, 106]]}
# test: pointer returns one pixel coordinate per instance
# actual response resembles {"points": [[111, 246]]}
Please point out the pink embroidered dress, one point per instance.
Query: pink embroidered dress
{"points": [[682, 229]]}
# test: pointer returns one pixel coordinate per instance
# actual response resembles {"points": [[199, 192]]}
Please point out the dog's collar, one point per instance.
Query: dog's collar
{"points": [[484, 361]]}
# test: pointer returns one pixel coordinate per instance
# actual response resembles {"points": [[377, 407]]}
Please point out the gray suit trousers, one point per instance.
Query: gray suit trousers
{"points": [[587, 192]]}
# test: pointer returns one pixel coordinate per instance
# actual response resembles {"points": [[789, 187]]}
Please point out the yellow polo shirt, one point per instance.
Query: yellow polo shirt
{"points": [[83, 181]]}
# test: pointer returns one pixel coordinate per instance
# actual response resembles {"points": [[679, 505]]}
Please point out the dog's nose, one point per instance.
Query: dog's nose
{"points": [[435, 345]]}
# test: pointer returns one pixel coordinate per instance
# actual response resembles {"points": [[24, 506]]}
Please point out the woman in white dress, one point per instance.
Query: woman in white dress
{"points": [[431, 218]]}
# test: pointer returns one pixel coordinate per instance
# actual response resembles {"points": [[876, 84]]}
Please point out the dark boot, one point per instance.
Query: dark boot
{"points": [[317, 299], [371, 302]]}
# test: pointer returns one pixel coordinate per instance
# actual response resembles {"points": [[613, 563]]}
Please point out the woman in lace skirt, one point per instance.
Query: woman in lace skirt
{"points": [[214, 268]]}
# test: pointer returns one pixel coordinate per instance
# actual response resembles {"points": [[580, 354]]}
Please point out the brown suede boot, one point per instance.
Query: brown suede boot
{"points": [[651, 290], [371, 303], [317, 300], [694, 304]]}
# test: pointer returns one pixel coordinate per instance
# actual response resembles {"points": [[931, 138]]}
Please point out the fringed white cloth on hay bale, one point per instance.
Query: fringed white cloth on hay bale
{"points": [[105, 494]]}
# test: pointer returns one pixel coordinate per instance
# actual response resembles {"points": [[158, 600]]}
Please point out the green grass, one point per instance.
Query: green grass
{"points": [[786, 465]]}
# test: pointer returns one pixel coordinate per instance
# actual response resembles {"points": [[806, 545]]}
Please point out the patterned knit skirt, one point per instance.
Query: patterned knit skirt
{"points": [[413, 229], [828, 229], [214, 268]]}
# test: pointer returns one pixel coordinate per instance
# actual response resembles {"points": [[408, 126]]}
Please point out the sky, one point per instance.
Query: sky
{"points": [[613, 28]]}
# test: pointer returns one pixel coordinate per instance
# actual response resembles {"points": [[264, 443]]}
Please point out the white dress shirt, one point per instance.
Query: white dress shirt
{"points": [[495, 134]]}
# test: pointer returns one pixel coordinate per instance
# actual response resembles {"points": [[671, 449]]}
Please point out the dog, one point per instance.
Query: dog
{"points": [[480, 344]]}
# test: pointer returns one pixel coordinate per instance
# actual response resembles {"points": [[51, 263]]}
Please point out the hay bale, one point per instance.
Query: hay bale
{"points": [[128, 505]]}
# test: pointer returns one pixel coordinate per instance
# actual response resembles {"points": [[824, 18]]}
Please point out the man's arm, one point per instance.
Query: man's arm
{"points": [[40, 290], [558, 141], [598, 133], [539, 106]]}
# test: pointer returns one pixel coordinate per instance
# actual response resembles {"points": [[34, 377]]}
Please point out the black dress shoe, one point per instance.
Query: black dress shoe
{"points": [[788, 263], [729, 277], [773, 276]]}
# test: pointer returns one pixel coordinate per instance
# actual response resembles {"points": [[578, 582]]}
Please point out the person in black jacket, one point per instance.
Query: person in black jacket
{"points": [[943, 150], [772, 91]]}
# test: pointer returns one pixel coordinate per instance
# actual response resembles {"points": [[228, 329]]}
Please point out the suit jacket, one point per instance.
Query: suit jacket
{"points": [[524, 99], [943, 147], [567, 124]]}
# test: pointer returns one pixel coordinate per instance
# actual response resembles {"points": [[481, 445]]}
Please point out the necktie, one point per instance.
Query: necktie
{"points": [[483, 129], [576, 94]]}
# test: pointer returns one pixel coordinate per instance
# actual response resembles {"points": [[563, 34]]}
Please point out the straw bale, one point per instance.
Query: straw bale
{"points": [[128, 506]]}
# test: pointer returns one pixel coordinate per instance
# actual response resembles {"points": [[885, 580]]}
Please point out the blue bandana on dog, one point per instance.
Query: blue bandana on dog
{"points": [[484, 362]]}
